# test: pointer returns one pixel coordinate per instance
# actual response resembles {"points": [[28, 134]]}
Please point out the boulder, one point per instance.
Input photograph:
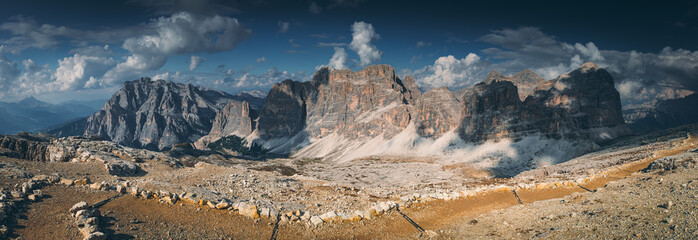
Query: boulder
{"points": [[120, 189], [121, 168], [248, 210], [315, 220], [78, 206], [96, 236], [222, 205], [67, 182], [328, 216]]}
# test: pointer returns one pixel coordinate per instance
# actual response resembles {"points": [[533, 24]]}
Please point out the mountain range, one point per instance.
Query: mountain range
{"points": [[344, 114], [31, 114]]}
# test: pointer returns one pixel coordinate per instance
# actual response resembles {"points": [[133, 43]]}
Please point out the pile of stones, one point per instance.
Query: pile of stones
{"points": [[87, 220]]}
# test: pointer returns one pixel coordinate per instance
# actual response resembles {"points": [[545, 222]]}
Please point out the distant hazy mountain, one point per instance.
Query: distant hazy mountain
{"points": [[31, 114], [662, 114]]}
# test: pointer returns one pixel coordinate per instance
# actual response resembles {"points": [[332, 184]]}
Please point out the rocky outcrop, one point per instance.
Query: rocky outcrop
{"points": [[121, 168], [438, 111], [285, 109], [157, 114], [526, 81], [25, 146], [582, 104], [589, 96], [236, 118], [366, 103], [494, 111], [116, 159]]}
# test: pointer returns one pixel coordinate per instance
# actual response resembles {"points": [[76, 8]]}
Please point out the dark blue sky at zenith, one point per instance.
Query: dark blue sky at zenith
{"points": [[63, 50]]}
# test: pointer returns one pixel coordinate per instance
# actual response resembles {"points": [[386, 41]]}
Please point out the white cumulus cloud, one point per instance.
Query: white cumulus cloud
{"points": [[339, 58], [363, 35], [450, 72], [184, 33], [195, 61], [76, 71]]}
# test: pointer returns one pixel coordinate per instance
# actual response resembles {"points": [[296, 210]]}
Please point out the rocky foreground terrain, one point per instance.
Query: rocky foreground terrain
{"points": [[153, 195]]}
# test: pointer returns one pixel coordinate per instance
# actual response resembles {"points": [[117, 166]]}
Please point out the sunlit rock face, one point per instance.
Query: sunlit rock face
{"points": [[438, 112], [374, 102], [367, 103]]}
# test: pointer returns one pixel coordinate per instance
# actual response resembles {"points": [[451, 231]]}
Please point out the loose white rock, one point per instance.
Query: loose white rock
{"points": [[78, 206], [315, 220]]}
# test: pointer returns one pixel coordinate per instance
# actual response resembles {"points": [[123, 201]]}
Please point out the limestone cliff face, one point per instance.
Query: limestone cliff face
{"points": [[367, 103], [580, 105], [285, 109], [526, 81], [236, 118], [25, 146], [438, 111], [157, 114], [413, 89], [589, 96]]}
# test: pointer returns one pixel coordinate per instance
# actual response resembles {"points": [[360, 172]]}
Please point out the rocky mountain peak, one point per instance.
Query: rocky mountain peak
{"points": [[373, 73], [494, 76], [526, 81], [322, 75], [412, 87], [157, 114], [526, 74], [588, 66], [32, 102]]}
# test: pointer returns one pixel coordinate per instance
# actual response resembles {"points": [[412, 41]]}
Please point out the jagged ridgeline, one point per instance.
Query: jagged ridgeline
{"points": [[156, 114], [344, 114]]}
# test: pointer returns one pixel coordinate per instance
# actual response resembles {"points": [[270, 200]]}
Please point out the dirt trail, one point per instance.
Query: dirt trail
{"points": [[441, 213]]}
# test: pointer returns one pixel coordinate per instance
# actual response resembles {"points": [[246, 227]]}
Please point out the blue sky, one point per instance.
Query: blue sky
{"points": [[67, 50]]}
